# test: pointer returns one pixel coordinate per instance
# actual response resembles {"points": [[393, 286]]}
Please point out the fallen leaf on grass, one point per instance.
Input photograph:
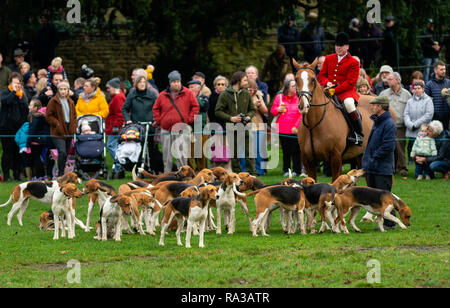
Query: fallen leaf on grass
{"points": [[64, 252]]}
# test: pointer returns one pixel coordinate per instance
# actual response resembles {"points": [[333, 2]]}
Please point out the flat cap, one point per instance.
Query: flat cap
{"points": [[380, 100], [194, 82], [386, 68]]}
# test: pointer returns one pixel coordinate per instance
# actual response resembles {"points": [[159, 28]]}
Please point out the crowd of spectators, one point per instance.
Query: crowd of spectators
{"points": [[41, 109]]}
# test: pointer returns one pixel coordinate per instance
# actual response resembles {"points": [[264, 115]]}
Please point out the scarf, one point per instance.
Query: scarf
{"points": [[87, 97], [19, 93]]}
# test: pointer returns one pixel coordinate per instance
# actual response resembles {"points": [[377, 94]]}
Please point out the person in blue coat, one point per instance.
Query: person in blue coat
{"points": [[434, 88], [378, 160]]}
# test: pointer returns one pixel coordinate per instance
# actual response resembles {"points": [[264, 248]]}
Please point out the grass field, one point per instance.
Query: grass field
{"points": [[416, 257]]}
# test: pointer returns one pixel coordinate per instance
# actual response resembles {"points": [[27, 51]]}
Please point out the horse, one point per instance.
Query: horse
{"points": [[322, 136]]}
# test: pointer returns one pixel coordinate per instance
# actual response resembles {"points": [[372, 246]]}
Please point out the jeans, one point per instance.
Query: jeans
{"points": [[440, 166], [261, 151], [242, 149], [111, 145], [428, 63], [423, 169]]}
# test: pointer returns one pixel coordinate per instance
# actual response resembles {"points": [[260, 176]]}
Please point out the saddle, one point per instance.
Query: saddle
{"points": [[353, 138]]}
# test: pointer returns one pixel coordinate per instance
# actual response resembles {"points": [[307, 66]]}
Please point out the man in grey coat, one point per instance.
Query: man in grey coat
{"points": [[398, 98]]}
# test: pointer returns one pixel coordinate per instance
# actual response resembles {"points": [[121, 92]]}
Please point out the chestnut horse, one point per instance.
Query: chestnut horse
{"points": [[323, 133]]}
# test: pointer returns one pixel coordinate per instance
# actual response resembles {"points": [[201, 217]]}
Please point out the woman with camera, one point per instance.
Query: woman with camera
{"points": [[285, 107], [13, 113], [235, 105]]}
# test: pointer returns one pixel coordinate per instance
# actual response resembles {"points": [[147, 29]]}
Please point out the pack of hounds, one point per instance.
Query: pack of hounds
{"points": [[182, 201]]}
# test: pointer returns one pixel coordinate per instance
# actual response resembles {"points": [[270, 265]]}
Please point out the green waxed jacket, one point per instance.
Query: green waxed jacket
{"points": [[227, 107]]}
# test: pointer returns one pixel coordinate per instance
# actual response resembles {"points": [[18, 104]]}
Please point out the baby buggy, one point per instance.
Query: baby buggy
{"points": [[132, 149], [90, 140]]}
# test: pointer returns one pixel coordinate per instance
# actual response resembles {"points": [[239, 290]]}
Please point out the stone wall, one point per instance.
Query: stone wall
{"points": [[110, 57]]}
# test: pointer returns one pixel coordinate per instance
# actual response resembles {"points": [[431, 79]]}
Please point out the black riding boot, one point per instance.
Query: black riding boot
{"points": [[357, 136]]}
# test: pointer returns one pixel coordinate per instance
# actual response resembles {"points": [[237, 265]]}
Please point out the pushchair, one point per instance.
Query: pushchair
{"points": [[133, 148], [90, 158]]}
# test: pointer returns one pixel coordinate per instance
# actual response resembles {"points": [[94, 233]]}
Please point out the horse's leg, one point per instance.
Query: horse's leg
{"points": [[335, 164], [310, 166]]}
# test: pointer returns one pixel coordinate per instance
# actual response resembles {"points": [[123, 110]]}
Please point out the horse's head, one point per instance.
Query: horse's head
{"points": [[306, 83]]}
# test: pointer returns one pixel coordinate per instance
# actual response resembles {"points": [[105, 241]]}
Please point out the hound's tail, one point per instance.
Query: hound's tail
{"points": [[147, 174], [237, 192], [135, 177], [253, 193], [7, 202]]}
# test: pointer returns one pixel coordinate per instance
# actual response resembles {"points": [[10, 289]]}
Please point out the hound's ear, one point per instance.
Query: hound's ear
{"points": [[314, 64], [295, 63]]}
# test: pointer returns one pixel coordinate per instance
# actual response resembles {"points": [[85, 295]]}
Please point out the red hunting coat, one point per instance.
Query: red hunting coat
{"points": [[344, 73]]}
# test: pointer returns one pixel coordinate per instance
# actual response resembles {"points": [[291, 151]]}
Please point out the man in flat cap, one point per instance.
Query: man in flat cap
{"points": [[378, 160], [19, 57], [342, 70]]}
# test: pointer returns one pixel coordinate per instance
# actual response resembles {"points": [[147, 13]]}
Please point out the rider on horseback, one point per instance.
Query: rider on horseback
{"points": [[341, 71]]}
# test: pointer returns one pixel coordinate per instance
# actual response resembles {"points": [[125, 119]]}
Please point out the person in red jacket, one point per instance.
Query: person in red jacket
{"points": [[342, 70], [115, 120], [176, 104]]}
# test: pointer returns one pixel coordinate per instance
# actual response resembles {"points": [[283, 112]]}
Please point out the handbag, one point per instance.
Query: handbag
{"points": [[220, 154]]}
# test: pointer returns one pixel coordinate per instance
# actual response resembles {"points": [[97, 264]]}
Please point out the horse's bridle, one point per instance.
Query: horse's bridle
{"points": [[309, 95]]}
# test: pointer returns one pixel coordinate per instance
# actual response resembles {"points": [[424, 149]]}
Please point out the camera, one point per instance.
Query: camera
{"points": [[245, 119], [87, 72], [115, 130]]}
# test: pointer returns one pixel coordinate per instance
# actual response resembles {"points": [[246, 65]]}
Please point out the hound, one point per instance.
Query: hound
{"points": [[183, 174], [347, 180], [97, 191], [270, 198], [139, 198], [227, 202], [376, 202], [46, 221], [63, 211], [220, 173], [191, 209], [41, 191], [110, 223]]}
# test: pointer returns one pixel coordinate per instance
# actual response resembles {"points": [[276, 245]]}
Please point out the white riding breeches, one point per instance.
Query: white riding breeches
{"points": [[349, 104]]}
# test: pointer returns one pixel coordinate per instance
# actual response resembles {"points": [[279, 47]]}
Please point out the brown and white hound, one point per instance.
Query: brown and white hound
{"points": [[375, 201], [41, 191], [62, 209], [97, 191], [194, 210]]}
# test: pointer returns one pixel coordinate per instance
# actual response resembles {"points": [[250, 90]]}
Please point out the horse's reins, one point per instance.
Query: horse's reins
{"points": [[309, 97]]}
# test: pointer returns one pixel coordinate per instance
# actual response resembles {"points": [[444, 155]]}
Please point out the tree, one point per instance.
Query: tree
{"points": [[411, 18]]}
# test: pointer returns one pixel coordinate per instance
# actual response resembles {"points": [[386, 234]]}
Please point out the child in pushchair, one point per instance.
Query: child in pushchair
{"points": [[90, 140], [128, 153]]}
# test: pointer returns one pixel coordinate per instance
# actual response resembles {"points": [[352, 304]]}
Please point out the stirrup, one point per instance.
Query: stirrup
{"points": [[356, 139]]}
